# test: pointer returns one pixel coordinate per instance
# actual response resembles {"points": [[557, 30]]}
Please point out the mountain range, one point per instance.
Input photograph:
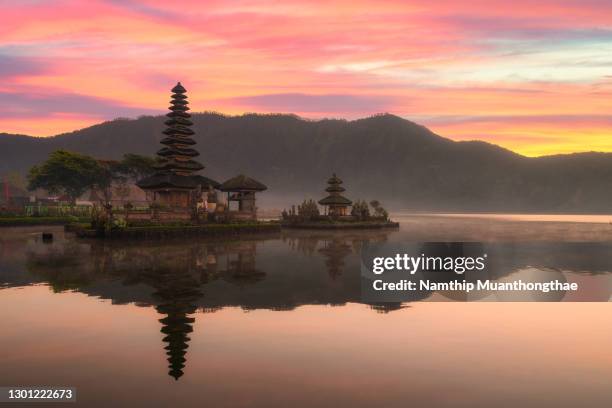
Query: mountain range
{"points": [[400, 163]]}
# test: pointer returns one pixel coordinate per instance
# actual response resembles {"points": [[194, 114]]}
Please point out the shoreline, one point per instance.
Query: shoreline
{"points": [[342, 225], [177, 231]]}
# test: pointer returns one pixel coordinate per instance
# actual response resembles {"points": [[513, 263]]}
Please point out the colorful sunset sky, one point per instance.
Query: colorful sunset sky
{"points": [[532, 76]]}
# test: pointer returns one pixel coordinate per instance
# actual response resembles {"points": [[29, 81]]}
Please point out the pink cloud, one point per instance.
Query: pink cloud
{"points": [[318, 104], [495, 60]]}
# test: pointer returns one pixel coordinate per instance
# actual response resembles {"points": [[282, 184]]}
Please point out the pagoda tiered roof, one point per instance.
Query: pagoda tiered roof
{"points": [[176, 167], [176, 141], [334, 189], [176, 157], [171, 180], [179, 166], [174, 151], [335, 200]]}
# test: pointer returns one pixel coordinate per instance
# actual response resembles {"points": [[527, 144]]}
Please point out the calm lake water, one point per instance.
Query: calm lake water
{"points": [[277, 320]]}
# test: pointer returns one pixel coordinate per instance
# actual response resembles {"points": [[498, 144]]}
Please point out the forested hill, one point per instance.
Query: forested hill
{"points": [[385, 157]]}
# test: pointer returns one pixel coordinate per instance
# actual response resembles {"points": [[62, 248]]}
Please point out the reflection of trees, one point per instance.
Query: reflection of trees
{"points": [[334, 246], [63, 266], [302, 245]]}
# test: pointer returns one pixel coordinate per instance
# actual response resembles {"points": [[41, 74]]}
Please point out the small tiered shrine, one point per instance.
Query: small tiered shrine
{"points": [[336, 204], [174, 185]]}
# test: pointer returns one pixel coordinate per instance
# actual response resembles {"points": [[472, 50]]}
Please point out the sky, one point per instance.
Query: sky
{"points": [[531, 76]]}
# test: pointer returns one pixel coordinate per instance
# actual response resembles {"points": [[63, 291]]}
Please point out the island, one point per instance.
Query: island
{"points": [[336, 212]]}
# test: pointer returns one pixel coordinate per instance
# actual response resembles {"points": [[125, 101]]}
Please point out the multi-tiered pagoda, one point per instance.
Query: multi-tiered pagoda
{"points": [[337, 205], [174, 184]]}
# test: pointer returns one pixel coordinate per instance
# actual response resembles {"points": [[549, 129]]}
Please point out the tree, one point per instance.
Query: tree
{"points": [[109, 172], [360, 210], [379, 211], [308, 209], [74, 173], [65, 172], [137, 167], [117, 174]]}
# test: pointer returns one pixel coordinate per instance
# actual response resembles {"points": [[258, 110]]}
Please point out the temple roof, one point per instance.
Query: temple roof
{"points": [[171, 140], [335, 200], [178, 118], [335, 188], [334, 180], [205, 182], [178, 108], [177, 151], [171, 180], [242, 183], [179, 165], [178, 88]]}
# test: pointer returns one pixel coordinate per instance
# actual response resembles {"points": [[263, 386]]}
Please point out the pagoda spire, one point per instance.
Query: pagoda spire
{"points": [[177, 156]]}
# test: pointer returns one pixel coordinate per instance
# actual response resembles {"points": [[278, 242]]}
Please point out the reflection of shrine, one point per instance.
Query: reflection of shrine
{"points": [[335, 251], [240, 264]]}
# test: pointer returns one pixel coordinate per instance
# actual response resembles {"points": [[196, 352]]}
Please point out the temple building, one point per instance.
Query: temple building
{"points": [[242, 189], [175, 184], [337, 205]]}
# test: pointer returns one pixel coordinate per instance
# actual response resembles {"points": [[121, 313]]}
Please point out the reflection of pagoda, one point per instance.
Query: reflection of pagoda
{"points": [[335, 251], [386, 307], [177, 292]]}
